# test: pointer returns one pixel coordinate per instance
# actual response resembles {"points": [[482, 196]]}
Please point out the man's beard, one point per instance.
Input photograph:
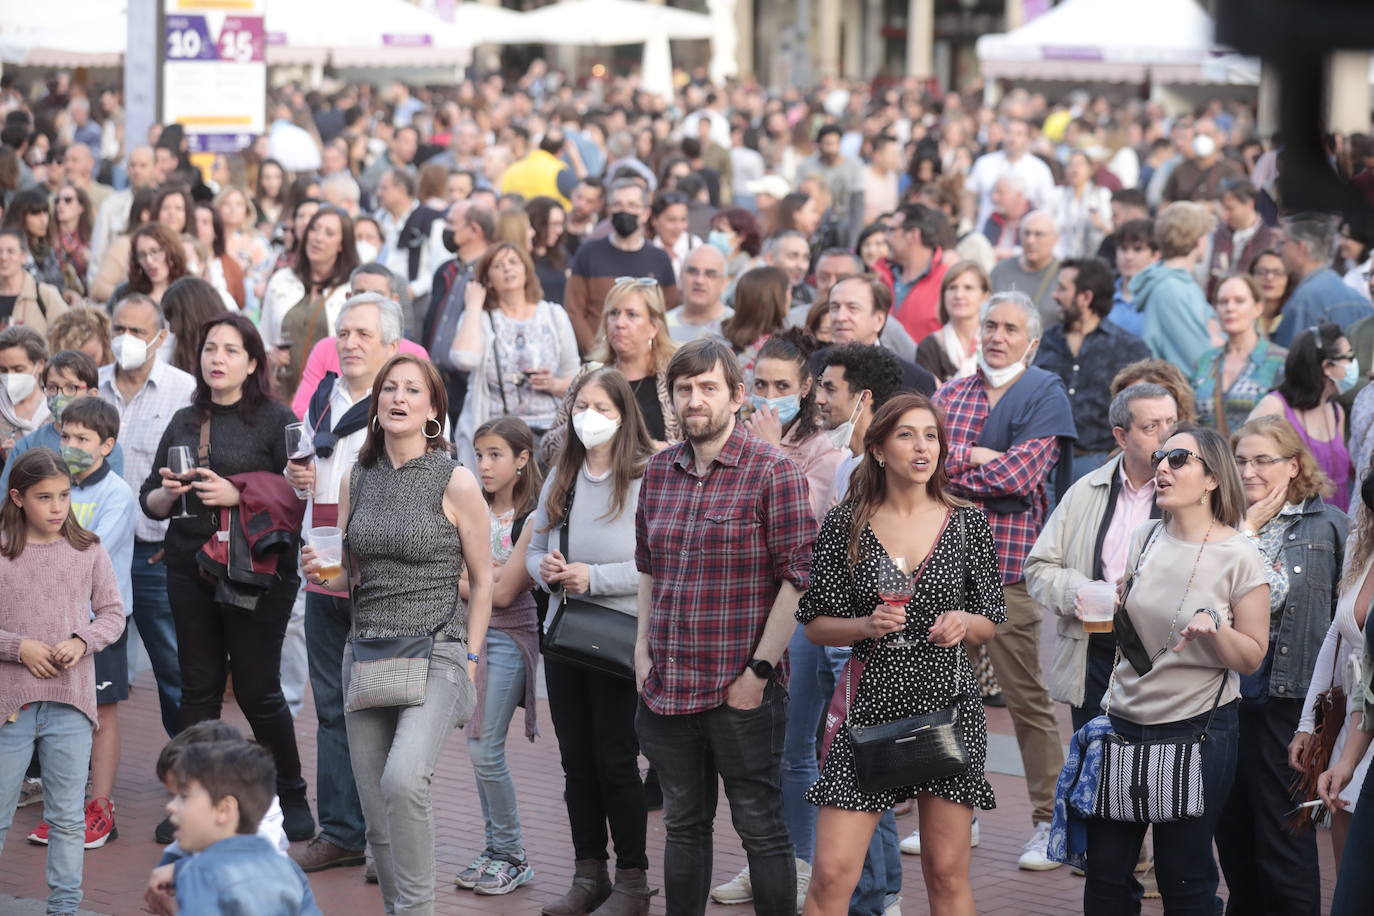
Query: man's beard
{"points": [[714, 427]]}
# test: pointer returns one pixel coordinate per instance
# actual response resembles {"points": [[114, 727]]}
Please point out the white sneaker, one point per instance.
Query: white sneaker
{"points": [[892, 906], [1033, 856], [737, 889], [803, 882], [912, 844]]}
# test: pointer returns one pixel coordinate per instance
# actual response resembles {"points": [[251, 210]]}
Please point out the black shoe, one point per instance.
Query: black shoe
{"points": [[297, 820], [164, 832], [997, 699], [653, 792]]}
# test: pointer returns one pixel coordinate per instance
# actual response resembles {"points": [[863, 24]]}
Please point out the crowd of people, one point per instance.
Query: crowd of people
{"points": [[707, 375]]}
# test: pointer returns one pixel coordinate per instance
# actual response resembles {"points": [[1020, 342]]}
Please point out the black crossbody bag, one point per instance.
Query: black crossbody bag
{"points": [[918, 749], [587, 634]]}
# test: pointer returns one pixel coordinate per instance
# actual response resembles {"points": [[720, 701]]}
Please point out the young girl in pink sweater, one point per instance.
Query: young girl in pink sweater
{"points": [[61, 606]]}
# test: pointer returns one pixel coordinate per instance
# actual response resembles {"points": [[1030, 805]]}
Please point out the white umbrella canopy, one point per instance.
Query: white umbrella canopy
{"points": [[63, 33], [361, 33], [612, 22], [496, 25]]}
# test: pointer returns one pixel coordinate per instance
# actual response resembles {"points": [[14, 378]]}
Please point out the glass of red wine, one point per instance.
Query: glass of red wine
{"points": [[895, 588], [300, 449], [183, 466]]}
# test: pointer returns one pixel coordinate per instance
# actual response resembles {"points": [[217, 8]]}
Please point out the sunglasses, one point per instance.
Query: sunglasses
{"points": [[637, 281], [1177, 457]]}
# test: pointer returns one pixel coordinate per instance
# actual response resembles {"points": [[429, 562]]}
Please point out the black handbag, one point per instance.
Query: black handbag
{"points": [[1127, 639], [918, 749], [587, 634]]}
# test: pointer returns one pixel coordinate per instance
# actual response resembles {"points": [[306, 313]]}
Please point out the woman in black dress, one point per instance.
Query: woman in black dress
{"points": [[899, 517]]}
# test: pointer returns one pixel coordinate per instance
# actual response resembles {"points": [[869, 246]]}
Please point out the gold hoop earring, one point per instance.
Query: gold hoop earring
{"points": [[439, 428]]}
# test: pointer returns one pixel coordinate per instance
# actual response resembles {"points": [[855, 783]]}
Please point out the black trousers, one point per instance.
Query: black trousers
{"points": [[594, 719], [215, 641], [1269, 869]]}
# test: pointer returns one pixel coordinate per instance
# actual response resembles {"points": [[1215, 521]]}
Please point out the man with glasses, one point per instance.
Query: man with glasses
{"points": [[67, 376], [624, 253], [146, 392], [703, 282]]}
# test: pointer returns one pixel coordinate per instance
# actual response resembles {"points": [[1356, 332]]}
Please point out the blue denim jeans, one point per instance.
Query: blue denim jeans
{"points": [[62, 735], [505, 688], [1184, 864], [394, 750], [806, 705], [881, 878], [693, 754], [153, 617], [326, 635]]}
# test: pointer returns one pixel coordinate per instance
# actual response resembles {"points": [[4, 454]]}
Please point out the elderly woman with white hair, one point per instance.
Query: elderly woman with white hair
{"points": [[1010, 426]]}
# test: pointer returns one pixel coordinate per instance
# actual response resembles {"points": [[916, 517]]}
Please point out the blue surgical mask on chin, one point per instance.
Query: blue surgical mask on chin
{"points": [[787, 406]]}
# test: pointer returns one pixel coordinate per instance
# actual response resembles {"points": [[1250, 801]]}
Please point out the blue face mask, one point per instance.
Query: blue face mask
{"points": [[787, 406], [722, 241], [1351, 377]]}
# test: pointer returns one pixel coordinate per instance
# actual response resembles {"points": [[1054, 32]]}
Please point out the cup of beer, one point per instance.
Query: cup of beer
{"points": [[1097, 604], [328, 544]]}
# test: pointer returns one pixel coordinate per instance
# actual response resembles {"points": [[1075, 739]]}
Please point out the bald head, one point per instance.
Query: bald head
{"points": [[1038, 237], [703, 278], [143, 168]]}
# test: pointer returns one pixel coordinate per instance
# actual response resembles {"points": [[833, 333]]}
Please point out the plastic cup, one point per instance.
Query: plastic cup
{"points": [[328, 544], [1097, 606]]}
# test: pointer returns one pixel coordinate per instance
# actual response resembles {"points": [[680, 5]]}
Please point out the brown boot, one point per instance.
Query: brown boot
{"points": [[629, 896], [591, 885]]}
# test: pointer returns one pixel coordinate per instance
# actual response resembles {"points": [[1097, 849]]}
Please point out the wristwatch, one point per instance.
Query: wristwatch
{"points": [[1212, 613], [763, 669]]}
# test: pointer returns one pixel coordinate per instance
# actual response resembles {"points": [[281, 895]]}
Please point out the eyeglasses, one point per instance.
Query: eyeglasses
{"points": [[1269, 273], [637, 281], [1259, 461], [148, 254], [698, 272], [1341, 356], [1177, 457], [70, 391]]}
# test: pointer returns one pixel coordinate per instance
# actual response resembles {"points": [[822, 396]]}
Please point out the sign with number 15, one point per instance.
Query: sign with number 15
{"points": [[215, 74]]}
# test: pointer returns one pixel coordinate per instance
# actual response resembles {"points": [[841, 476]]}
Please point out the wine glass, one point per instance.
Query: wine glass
{"points": [[182, 464], [895, 588], [300, 448]]}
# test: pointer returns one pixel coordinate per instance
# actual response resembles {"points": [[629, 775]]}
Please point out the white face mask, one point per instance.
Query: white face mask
{"points": [[130, 352], [840, 435], [594, 428], [999, 377], [367, 252], [19, 385]]}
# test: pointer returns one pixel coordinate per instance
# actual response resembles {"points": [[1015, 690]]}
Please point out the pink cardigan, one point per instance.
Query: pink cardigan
{"points": [[817, 457], [50, 591], [324, 357]]}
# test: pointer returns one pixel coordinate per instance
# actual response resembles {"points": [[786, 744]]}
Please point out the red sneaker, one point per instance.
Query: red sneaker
{"points": [[100, 823], [39, 837]]}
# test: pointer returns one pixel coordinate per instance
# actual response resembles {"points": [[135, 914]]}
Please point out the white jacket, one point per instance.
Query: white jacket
{"points": [[284, 290]]}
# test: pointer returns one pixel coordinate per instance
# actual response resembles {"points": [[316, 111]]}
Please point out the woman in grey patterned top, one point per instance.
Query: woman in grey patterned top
{"points": [[420, 519]]}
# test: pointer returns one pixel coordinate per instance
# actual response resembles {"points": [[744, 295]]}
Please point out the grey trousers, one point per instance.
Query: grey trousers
{"points": [[394, 750]]}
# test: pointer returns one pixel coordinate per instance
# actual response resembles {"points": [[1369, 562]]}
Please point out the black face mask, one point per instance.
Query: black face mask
{"points": [[450, 243], [624, 224]]}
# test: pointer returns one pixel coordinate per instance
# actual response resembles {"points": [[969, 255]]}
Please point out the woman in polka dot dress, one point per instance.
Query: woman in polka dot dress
{"points": [[898, 506]]}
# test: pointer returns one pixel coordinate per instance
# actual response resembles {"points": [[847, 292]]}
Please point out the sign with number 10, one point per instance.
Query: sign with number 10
{"points": [[215, 75]]}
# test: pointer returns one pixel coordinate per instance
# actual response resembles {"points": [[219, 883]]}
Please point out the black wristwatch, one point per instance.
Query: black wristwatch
{"points": [[762, 668]]}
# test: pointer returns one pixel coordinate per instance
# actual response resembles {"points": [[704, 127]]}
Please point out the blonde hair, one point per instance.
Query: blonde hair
{"points": [[74, 327], [661, 348], [1180, 226], [1311, 480], [250, 209]]}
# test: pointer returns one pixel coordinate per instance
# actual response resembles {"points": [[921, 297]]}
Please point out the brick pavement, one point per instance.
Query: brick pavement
{"points": [[115, 875]]}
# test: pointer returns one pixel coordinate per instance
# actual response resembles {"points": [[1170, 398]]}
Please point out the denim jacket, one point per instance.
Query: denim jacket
{"points": [[243, 876], [1313, 554]]}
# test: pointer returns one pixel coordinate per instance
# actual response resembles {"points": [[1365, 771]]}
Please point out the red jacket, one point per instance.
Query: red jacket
{"points": [[254, 539], [919, 309]]}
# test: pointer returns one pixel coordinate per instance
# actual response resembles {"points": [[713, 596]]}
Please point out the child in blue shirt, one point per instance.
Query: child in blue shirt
{"points": [[223, 790]]}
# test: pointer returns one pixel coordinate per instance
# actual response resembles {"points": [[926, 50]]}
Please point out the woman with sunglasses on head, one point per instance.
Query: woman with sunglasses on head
{"points": [[520, 347], [1270, 867], [634, 339], [1198, 600], [1320, 365], [583, 547], [899, 519]]}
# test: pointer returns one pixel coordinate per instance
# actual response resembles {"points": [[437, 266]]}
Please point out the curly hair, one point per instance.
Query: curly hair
{"points": [[76, 327], [1310, 480], [1165, 374]]}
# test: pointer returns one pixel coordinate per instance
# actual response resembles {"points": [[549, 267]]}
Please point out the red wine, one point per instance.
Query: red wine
{"points": [[894, 599]]}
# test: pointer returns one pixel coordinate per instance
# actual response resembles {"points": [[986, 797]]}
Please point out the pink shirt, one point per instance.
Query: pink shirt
{"points": [[325, 358], [1132, 510]]}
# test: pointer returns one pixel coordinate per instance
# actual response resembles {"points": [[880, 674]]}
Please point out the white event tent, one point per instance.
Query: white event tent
{"points": [[1163, 41]]}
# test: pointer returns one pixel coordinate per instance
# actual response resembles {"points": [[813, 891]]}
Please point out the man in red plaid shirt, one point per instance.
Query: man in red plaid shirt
{"points": [[724, 533], [1009, 428]]}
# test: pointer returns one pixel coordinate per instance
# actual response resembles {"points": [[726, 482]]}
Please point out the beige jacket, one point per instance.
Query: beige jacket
{"points": [[1059, 564], [37, 305]]}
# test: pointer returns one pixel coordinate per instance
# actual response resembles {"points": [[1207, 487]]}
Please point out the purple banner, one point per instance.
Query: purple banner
{"points": [[188, 38], [406, 41], [218, 143], [242, 39], [1052, 52]]}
